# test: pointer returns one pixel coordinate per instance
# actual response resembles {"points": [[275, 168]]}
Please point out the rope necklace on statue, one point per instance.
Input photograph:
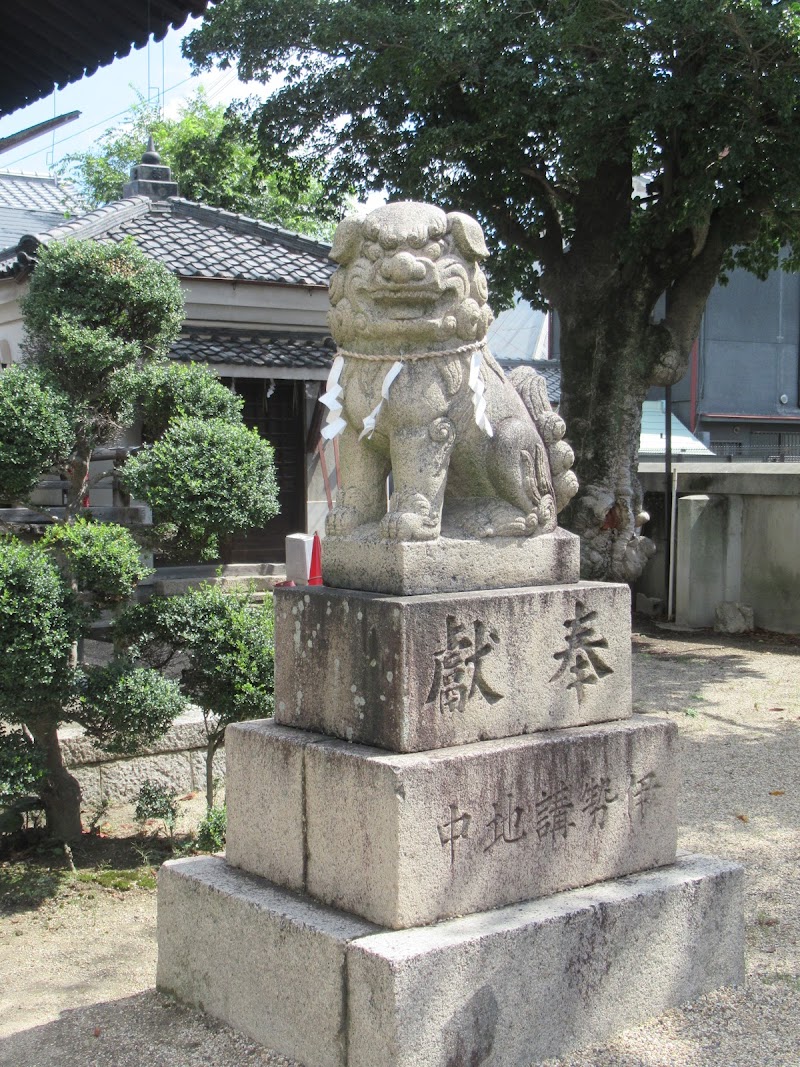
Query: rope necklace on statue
{"points": [[332, 397]]}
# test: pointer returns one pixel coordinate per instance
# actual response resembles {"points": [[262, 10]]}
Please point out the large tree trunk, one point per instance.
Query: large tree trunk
{"points": [[61, 794], [605, 379]]}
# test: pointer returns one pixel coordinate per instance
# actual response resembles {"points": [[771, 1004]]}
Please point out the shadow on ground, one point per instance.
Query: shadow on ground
{"points": [[34, 871], [142, 1029]]}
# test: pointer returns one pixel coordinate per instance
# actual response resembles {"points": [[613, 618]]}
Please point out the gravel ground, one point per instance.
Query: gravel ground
{"points": [[77, 973]]}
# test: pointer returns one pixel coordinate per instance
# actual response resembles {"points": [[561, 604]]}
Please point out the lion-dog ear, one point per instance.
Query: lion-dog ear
{"points": [[468, 235], [346, 241]]}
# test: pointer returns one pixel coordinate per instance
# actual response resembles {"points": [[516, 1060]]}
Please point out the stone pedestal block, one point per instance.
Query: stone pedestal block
{"points": [[404, 840], [416, 673], [264, 961], [507, 988], [452, 563]]}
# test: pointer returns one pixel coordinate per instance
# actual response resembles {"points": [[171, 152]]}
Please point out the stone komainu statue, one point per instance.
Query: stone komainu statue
{"points": [[415, 390]]}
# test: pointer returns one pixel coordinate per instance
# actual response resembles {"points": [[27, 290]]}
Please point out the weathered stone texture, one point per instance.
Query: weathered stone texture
{"points": [[450, 564], [416, 673], [524, 983], [415, 390], [123, 778], [261, 959], [506, 987], [265, 800], [405, 840]]}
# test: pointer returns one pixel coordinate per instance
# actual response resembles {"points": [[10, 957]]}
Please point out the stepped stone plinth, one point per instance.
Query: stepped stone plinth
{"points": [[509, 986], [406, 840], [454, 845], [421, 672]]}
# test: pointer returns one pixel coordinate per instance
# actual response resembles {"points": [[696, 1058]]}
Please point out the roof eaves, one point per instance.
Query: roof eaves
{"points": [[245, 224], [17, 260]]}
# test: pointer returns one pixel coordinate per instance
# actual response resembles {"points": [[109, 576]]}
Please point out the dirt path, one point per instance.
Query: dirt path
{"points": [[77, 972]]}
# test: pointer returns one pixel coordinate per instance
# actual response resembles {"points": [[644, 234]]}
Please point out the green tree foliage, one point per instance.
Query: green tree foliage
{"points": [[226, 641], [215, 159], [40, 619], [172, 476], [99, 320], [168, 391], [99, 557], [22, 772], [126, 708], [35, 432], [537, 117], [94, 313]]}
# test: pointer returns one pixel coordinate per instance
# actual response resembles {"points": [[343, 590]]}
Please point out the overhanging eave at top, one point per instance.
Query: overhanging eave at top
{"points": [[49, 43]]}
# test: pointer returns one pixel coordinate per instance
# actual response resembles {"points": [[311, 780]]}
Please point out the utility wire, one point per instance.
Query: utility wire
{"points": [[88, 129]]}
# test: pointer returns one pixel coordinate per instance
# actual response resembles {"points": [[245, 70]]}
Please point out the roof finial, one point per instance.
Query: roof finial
{"points": [[150, 177], [151, 155]]}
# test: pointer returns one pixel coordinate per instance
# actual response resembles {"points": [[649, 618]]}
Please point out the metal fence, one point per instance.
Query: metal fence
{"points": [[769, 447]]}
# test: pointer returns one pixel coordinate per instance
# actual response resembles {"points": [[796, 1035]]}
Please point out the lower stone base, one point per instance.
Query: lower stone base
{"points": [[502, 988]]}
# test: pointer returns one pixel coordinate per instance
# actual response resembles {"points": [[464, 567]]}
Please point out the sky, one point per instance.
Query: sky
{"points": [[104, 98]]}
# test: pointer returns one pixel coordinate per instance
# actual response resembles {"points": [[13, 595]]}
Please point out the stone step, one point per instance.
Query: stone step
{"points": [[415, 673], [508, 987], [404, 840]]}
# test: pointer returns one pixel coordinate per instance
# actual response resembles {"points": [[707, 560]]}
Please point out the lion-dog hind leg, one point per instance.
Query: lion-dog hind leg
{"points": [[518, 466]]}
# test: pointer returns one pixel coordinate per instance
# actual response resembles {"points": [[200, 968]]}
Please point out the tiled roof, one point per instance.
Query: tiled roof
{"points": [[15, 222], [550, 369], [37, 192], [197, 241], [253, 349], [30, 203], [262, 348]]}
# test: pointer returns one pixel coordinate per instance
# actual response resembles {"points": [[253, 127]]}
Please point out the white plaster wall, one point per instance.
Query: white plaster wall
{"points": [[242, 305], [11, 331]]}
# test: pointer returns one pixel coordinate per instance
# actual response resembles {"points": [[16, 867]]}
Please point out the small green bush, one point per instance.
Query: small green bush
{"points": [[212, 828], [125, 708], [156, 801], [101, 557], [35, 431], [209, 478]]}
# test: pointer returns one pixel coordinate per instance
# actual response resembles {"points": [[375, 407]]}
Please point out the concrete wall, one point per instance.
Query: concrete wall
{"points": [[176, 761], [738, 533]]}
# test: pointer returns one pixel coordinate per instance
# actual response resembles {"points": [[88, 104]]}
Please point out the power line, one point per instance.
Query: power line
{"points": [[88, 129]]}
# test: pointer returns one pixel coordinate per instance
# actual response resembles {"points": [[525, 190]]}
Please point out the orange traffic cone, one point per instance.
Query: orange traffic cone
{"points": [[315, 570]]}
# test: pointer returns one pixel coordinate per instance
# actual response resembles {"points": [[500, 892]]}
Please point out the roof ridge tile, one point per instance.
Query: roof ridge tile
{"points": [[248, 224], [96, 222]]}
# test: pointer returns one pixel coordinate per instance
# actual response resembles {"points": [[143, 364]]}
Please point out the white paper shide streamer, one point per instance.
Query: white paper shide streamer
{"points": [[332, 399], [369, 421], [478, 388]]}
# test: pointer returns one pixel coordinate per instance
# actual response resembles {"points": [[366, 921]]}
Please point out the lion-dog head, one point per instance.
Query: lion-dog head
{"points": [[409, 278]]}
